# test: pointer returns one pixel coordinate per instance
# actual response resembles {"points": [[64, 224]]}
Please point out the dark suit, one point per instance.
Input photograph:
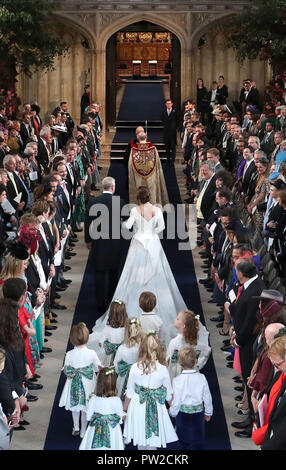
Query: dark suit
{"points": [[11, 191], [267, 143], [243, 312], [247, 177], [43, 157], [170, 124], [208, 198], [105, 249], [25, 132], [252, 98]]}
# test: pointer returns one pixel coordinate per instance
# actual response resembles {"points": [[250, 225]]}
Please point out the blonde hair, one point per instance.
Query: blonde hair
{"points": [[192, 326], [278, 348], [150, 351], [133, 332], [12, 267], [187, 357], [79, 334]]}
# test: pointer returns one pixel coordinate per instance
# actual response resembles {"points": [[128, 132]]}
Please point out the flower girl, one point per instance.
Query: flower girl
{"points": [[80, 366], [188, 326], [113, 333], [148, 423], [127, 353], [104, 413]]}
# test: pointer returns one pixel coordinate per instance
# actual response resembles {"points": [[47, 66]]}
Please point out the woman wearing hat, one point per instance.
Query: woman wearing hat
{"points": [[270, 311], [15, 264]]}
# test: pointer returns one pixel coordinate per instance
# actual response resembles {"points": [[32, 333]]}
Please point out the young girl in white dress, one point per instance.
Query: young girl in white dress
{"points": [[80, 367], [127, 354], [192, 402], [112, 335], [148, 423], [104, 413], [150, 320], [188, 326]]}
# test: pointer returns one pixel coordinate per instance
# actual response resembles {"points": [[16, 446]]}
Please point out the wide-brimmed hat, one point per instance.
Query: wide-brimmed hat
{"points": [[270, 294], [59, 128]]}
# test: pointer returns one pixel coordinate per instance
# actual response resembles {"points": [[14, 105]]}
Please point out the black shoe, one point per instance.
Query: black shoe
{"points": [[246, 433], [54, 315], [70, 254], [45, 340], [65, 281], [219, 325], [226, 349], [226, 342], [53, 320], [33, 386], [31, 397], [229, 365], [238, 381], [33, 379], [238, 397], [78, 229], [242, 424], [67, 256], [218, 318], [19, 428], [46, 350], [50, 327], [58, 307], [207, 280], [57, 296], [66, 268], [24, 422], [239, 389], [61, 289], [42, 356], [230, 358], [47, 333]]}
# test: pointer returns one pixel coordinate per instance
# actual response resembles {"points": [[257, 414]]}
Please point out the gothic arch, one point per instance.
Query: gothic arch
{"points": [[79, 26], [206, 22], [162, 21]]}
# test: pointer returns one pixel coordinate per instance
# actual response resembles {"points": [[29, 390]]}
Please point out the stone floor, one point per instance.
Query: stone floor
{"points": [[33, 437]]}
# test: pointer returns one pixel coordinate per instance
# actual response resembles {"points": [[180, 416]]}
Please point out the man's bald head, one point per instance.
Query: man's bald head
{"points": [[139, 129], [271, 330]]}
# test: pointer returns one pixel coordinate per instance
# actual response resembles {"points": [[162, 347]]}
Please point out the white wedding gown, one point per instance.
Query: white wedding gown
{"points": [[147, 269]]}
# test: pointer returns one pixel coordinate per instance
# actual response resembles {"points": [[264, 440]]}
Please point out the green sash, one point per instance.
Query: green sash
{"points": [[190, 409], [151, 396], [124, 369], [110, 349], [101, 423], [77, 394]]}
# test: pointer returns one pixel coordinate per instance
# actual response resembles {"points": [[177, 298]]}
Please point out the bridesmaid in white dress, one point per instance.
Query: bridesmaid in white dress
{"points": [[147, 269], [80, 367], [113, 333], [127, 354], [148, 423], [104, 413], [188, 326]]}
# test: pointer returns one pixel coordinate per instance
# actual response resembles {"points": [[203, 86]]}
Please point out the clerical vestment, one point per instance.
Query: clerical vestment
{"points": [[145, 169]]}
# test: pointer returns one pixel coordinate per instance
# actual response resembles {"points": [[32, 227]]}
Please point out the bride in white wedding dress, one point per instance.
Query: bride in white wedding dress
{"points": [[147, 269]]}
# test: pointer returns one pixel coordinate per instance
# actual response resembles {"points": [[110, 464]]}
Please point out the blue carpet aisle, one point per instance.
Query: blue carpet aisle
{"points": [[181, 262], [141, 101]]}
